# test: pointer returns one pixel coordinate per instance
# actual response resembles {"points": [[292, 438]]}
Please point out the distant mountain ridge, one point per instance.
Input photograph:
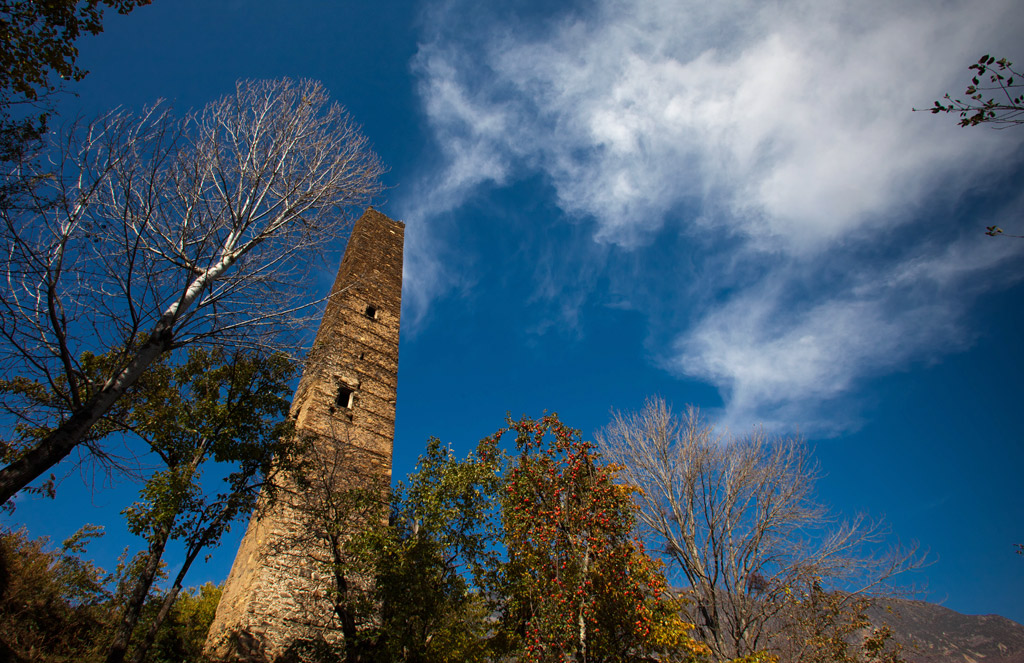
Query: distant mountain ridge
{"points": [[931, 633]]}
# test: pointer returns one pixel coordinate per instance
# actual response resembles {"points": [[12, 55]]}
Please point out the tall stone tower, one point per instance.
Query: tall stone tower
{"points": [[279, 590]]}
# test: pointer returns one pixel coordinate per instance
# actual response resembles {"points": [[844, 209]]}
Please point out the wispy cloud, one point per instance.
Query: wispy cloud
{"points": [[782, 128], [780, 359]]}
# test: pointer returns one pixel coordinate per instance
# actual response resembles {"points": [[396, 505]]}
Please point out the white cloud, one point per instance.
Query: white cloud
{"points": [[426, 275], [802, 127], [786, 124], [779, 360]]}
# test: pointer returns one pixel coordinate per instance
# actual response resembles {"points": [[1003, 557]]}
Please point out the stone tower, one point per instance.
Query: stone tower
{"points": [[277, 593]]}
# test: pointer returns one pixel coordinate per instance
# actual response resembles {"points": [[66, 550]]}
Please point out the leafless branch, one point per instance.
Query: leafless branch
{"points": [[738, 520], [151, 233]]}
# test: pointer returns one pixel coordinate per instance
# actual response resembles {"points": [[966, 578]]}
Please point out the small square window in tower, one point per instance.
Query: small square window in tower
{"points": [[371, 312], [346, 396]]}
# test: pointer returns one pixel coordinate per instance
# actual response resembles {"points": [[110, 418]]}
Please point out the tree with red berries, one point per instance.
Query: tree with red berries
{"points": [[577, 585]]}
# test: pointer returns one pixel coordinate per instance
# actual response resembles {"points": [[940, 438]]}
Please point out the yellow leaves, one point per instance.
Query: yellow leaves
{"points": [[670, 636], [757, 657]]}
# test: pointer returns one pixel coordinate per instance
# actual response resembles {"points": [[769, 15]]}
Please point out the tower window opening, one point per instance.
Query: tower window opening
{"points": [[371, 312], [346, 396]]}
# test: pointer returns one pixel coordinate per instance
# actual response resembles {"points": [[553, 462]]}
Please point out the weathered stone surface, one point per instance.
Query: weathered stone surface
{"points": [[278, 591]]}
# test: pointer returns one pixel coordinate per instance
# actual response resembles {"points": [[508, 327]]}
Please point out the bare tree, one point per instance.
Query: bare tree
{"points": [[148, 234], [737, 518]]}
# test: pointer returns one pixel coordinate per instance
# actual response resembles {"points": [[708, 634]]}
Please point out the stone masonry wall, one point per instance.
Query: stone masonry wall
{"points": [[278, 591]]}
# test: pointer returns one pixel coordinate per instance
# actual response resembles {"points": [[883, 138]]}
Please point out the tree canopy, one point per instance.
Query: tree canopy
{"points": [[38, 55], [499, 556]]}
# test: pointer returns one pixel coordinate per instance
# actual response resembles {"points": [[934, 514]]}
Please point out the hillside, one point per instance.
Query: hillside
{"points": [[933, 634]]}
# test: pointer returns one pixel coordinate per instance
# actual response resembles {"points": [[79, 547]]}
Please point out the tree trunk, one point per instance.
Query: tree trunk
{"points": [[59, 443], [154, 628], [582, 622], [172, 594], [123, 636], [342, 606], [161, 615]]}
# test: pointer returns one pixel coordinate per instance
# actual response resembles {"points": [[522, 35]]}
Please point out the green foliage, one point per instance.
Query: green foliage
{"points": [[230, 409], [38, 44], [182, 635], [437, 534], [409, 591], [37, 407], [496, 557], [58, 607], [53, 603], [214, 406], [39, 40], [37, 54], [436, 547]]}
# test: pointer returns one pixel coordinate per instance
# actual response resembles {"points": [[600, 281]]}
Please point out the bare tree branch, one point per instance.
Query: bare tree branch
{"points": [[737, 519], [155, 233]]}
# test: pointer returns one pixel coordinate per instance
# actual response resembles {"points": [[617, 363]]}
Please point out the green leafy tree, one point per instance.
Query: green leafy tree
{"points": [[37, 55], [181, 636], [430, 563], [405, 592], [214, 407], [54, 605]]}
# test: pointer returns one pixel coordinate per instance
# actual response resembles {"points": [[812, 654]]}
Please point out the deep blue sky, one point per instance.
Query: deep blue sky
{"points": [[729, 206]]}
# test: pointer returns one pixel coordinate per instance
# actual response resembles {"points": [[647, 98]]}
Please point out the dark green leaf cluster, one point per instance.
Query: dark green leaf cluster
{"points": [[182, 635], [53, 603], [212, 407], [56, 606], [36, 406], [997, 101], [427, 567], [37, 54], [39, 40], [39, 43]]}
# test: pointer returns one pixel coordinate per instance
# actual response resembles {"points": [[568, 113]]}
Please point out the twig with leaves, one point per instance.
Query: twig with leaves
{"points": [[998, 103]]}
